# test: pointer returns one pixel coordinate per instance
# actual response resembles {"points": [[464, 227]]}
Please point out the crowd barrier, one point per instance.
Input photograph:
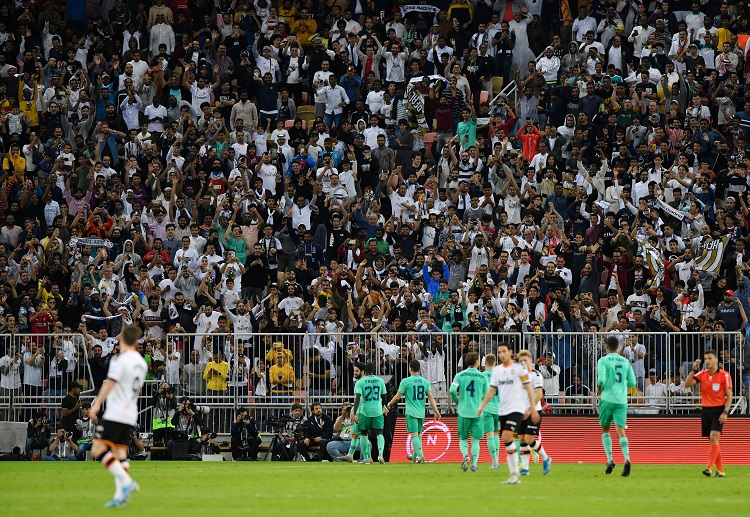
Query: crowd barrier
{"points": [[273, 371]]}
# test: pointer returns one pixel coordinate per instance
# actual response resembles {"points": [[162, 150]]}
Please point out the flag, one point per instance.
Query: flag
{"points": [[415, 109], [672, 212], [710, 252], [655, 264]]}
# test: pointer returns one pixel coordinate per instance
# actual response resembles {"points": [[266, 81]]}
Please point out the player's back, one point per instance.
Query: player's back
{"points": [[492, 405], [415, 388], [472, 386], [371, 389], [615, 375], [128, 370], [509, 381]]}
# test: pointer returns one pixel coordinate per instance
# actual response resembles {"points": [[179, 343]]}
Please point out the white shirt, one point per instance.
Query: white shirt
{"points": [[187, 257], [11, 372], [128, 370], [510, 382], [151, 112], [656, 394]]}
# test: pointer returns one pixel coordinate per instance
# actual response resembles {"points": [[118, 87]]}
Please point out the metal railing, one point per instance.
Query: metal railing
{"points": [[276, 370]]}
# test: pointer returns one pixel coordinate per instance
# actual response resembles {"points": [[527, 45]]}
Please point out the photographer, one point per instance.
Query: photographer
{"points": [[136, 448], [245, 437], [164, 405], [62, 448], [338, 447], [187, 422], [289, 433], [37, 433]]}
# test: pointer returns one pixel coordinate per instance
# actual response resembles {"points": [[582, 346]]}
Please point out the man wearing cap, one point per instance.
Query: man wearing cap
{"points": [[731, 312], [84, 431], [70, 406]]}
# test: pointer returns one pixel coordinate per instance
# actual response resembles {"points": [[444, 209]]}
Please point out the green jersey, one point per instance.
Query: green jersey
{"points": [[370, 390], [494, 402], [471, 385], [414, 389], [615, 376]]}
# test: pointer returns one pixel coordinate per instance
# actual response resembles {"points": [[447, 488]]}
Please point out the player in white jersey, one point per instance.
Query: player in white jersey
{"points": [[529, 432], [512, 381], [120, 390]]}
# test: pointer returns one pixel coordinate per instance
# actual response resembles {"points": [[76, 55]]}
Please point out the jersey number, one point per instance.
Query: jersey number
{"points": [[471, 389], [618, 374], [372, 393], [418, 393]]}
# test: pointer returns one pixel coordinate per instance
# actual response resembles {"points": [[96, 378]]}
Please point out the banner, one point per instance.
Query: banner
{"points": [[655, 264], [415, 109], [672, 211], [85, 241], [710, 252], [419, 8]]}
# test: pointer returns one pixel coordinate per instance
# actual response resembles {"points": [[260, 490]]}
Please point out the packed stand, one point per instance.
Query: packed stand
{"points": [[250, 181]]}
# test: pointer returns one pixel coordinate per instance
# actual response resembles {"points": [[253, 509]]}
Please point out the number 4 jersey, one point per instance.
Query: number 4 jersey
{"points": [[615, 375], [471, 385], [370, 390], [128, 370]]}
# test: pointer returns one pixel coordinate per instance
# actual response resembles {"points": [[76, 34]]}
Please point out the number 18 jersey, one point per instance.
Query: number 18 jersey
{"points": [[615, 376], [370, 390], [128, 370], [414, 389], [510, 381]]}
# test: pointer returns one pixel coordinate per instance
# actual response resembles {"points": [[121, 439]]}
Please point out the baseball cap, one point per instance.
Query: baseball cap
{"points": [[729, 292], [74, 385], [652, 370]]}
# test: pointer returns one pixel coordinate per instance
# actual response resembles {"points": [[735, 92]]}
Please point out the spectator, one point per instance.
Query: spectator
{"points": [[318, 431], [84, 432], [656, 391]]}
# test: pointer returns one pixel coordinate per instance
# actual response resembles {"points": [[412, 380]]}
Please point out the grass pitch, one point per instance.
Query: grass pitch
{"points": [[290, 489]]}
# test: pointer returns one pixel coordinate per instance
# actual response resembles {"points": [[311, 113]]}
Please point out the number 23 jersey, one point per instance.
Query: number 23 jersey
{"points": [[128, 370]]}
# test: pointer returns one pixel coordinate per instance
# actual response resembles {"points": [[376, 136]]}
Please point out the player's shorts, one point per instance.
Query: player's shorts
{"points": [[529, 427], [114, 434], [490, 422], [609, 412], [511, 422], [469, 426], [414, 424], [710, 420], [371, 423]]}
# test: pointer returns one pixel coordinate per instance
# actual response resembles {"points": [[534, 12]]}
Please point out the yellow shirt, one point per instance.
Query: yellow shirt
{"points": [[271, 355], [722, 35], [282, 378], [15, 165], [304, 29], [215, 376], [28, 108]]}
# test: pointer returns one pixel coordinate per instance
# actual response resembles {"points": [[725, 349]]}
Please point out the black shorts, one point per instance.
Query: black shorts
{"points": [[710, 420], [114, 434], [529, 427], [511, 422]]}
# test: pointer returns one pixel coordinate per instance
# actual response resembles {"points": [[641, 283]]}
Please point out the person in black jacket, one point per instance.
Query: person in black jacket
{"points": [[318, 431], [245, 437]]}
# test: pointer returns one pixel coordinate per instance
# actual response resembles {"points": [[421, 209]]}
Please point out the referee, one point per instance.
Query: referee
{"points": [[716, 400]]}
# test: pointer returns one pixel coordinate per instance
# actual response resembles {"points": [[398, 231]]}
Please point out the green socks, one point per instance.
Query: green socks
{"points": [[624, 447], [474, 451], [364, 445], [607, 442], [353, 446], [416, 442], [464, 446], [493, 443], [381, 444]]}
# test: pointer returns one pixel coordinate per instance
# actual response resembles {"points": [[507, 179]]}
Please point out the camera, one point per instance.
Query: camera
{"points": [[212, 436], [169, 391], [244, 54]]}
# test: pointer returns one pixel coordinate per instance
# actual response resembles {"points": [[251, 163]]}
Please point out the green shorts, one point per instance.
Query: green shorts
{"points": [[368, 423], [490, 422], [413, 424], [468, 426], [609, 412]]}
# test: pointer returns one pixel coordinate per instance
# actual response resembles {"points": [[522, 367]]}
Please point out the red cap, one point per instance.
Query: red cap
{"points": [[729, 292]]}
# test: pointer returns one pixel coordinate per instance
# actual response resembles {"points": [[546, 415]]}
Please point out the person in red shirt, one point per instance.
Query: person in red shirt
{"points": [[716, 400], [41, 319], [529, 136]]}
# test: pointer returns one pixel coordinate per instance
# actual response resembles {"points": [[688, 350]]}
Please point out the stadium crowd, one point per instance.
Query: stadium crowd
{"points": [[251, 168]]}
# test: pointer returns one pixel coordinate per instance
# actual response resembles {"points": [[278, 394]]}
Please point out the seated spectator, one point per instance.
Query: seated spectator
{"points": [[318, 432]]}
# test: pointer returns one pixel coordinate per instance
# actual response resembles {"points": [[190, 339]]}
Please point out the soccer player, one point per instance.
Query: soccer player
{"points": [[120, 390], [468, 389], [529, 432], [370, 391], [490, 419], [716, 400], [615, 376], [511, 380], [415, 389], [359, 370]]}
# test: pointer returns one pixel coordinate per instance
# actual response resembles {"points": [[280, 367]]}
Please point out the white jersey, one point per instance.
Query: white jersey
{"points": [[510, 382], [537, 381], [128, 370]]}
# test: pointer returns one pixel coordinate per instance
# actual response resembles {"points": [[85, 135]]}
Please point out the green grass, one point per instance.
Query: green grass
{"points": [[281, 489]]}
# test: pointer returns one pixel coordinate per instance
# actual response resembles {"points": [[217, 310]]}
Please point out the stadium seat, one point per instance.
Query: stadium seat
{"points": [[306, 110], [428, 139], [497, 85], [484, 96], [305, 98], [288, 124]]}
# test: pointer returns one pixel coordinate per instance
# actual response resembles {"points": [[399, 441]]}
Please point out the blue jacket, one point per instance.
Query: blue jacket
{"points": [[433, 285]]}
